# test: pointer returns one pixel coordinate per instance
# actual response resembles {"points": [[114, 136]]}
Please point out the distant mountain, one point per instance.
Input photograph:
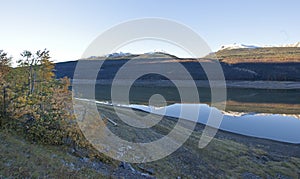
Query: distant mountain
{"points": [[238, 46], [297, 44], [121, 55], [243, 46], [118, 54]]}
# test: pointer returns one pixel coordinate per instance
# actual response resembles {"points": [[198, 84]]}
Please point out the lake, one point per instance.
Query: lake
{"points": [[250, 106], [269, 126]]}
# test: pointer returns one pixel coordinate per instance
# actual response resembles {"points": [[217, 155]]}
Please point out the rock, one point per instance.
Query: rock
{"points": [[261, 159], [280, 176], [127, 166], [81, 152], [84, 159], [133, 173], [265, 158], [248, 175], [146, 170]]}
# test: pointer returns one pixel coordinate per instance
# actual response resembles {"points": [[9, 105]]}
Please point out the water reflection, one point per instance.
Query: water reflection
{"points": [[275, 127]]}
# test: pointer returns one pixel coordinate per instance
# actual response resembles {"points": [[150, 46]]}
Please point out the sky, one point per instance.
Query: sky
{"points": [[66, 27]]}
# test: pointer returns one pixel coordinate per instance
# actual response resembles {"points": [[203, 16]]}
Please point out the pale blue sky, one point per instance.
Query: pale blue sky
{"points": [[67, 27]]}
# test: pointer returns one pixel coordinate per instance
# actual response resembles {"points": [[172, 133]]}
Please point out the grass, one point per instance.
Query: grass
{"points": [[271, 54], [22, 159], [234, 159], [272, 108], [228, 155]]}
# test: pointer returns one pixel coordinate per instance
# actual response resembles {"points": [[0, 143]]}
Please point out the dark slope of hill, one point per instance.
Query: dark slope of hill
{"points": [[241, 64]]}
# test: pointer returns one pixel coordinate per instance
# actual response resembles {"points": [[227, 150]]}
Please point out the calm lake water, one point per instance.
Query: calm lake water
{"points": [[140, 94], [275, 127]]}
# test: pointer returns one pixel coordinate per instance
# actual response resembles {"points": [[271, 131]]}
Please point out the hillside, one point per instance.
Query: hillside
{"points": [[263, 64], [259, 55]]}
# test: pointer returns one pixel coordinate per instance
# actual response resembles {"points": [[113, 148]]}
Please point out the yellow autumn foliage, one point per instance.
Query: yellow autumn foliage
{"points": [[40, 103]]}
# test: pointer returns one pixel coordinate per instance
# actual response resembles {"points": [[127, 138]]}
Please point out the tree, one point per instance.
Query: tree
{"points": [[40, 106], [29, 62], [5, 62], [38, 100]]}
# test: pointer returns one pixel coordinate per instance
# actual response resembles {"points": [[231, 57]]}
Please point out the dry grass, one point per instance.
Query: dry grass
{"points": [[260, 55], [227, 155], [274, 108], [21, 159]]}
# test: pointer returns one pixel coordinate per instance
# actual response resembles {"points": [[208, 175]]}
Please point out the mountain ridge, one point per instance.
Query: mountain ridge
{"points": [[243, 46]]}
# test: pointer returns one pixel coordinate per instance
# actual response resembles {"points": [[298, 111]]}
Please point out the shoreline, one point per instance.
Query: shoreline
{"points": [[228, 117]]}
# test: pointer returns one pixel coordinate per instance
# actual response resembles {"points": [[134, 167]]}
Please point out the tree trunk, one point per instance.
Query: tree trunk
{"points": [[4, 101]]}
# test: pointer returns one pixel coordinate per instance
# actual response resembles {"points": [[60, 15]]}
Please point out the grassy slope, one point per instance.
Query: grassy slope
{"points": [[20, 158], [260, 55], [273, 108]]}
